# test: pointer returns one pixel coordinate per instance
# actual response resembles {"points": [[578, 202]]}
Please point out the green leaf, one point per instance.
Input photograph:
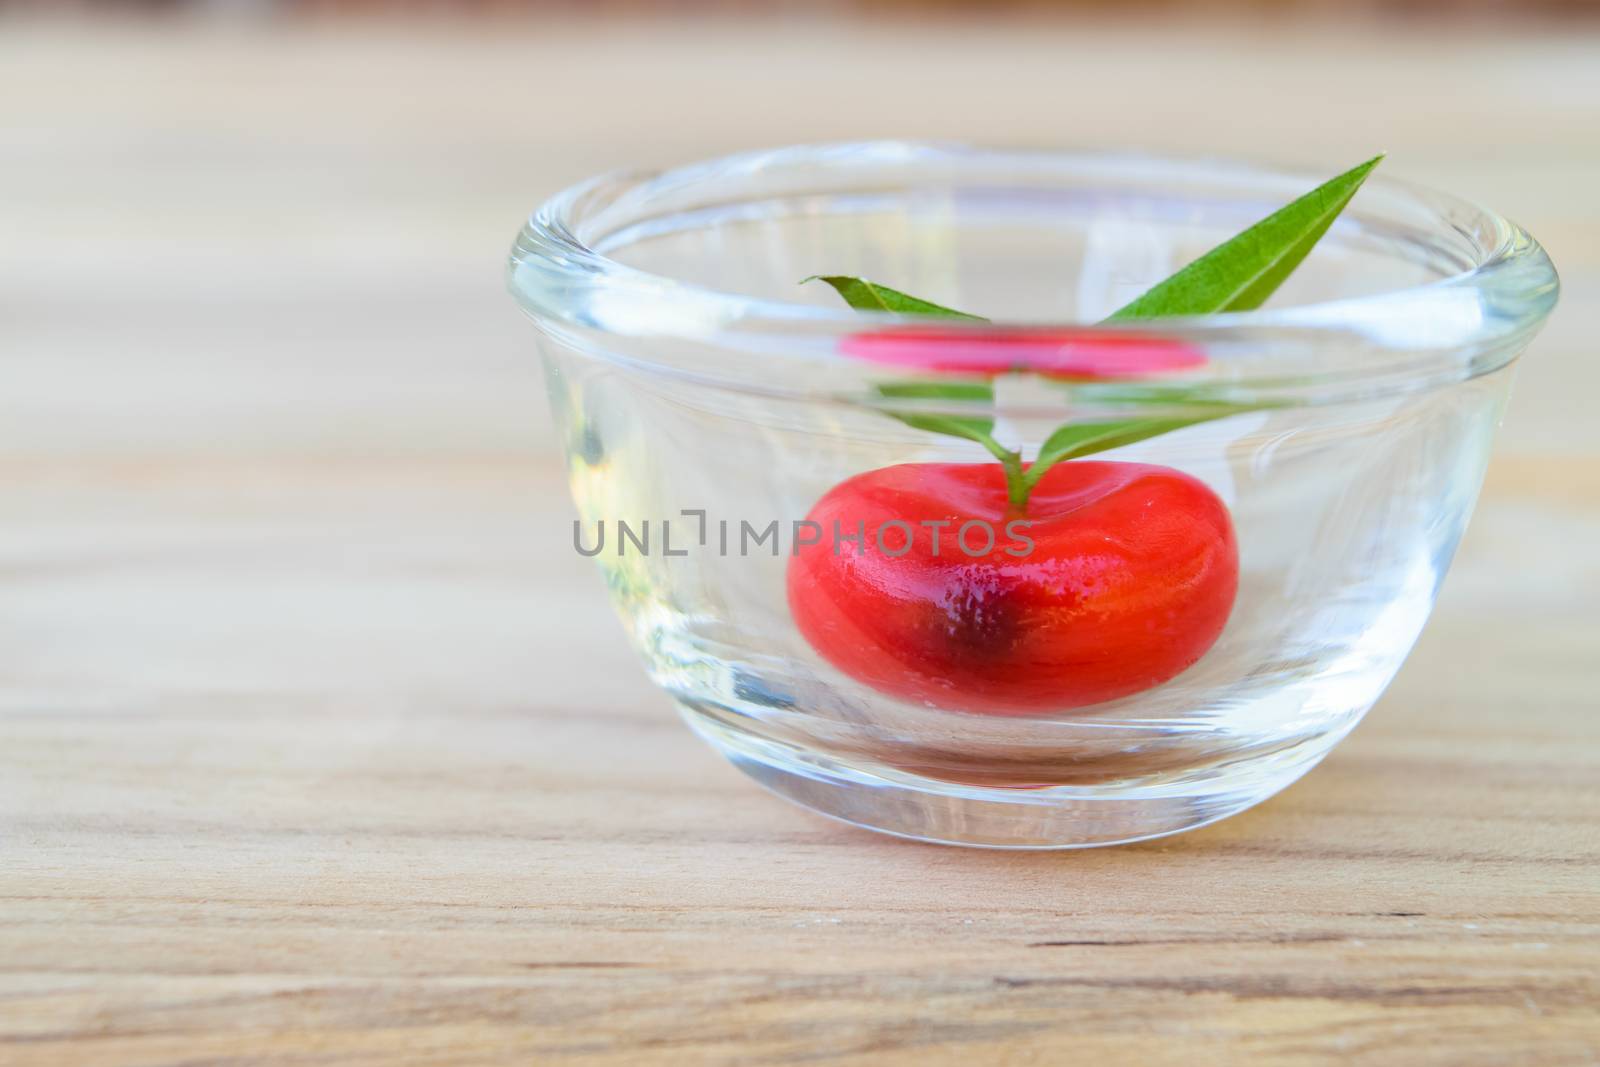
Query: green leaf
{"points": [[1078, 439], [973, 428], [1241, 273], [1237, 275], [870, 296]]}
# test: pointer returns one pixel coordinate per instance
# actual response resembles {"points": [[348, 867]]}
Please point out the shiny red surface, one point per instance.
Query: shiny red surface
{"points": [[1130, 579]]}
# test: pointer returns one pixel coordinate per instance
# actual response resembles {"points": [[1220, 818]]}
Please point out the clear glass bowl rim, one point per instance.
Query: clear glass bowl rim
{"points": [[556, 278]]}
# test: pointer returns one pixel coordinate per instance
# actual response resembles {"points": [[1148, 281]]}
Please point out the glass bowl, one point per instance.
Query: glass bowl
{"points": [[1212, 609]]}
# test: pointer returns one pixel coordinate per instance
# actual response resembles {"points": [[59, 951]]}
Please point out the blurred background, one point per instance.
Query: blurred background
{"points": [[251, 254], [746, 7], [243, 225]]}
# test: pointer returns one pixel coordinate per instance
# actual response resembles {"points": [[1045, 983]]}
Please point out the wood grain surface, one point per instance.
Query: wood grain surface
{"points": [[318, 745]]}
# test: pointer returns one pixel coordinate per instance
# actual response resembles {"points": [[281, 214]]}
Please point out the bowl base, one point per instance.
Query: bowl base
{"points": [[948, 813]]}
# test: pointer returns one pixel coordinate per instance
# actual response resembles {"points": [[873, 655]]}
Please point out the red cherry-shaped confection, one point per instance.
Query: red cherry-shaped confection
{"points": [[1129, 580]]}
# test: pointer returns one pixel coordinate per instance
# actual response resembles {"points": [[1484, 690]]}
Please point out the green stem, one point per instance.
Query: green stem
{"points": [[1017, 484]]}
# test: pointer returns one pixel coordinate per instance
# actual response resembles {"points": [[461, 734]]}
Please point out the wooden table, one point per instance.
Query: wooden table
{"points": [[318, 745]]}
